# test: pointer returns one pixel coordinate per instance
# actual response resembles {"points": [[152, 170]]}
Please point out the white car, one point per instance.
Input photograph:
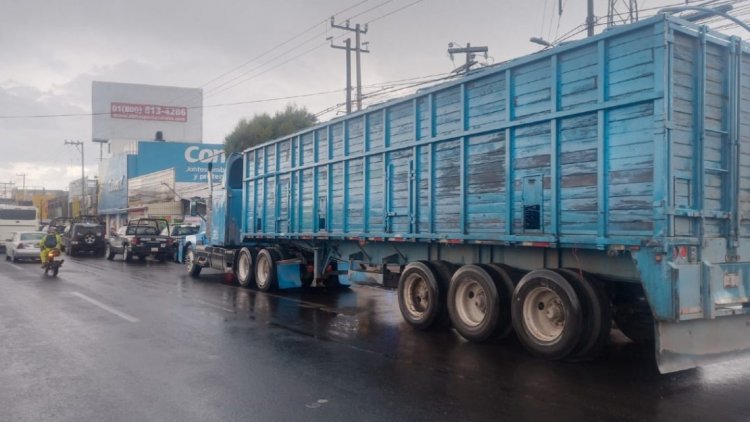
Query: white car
{"points": [[23, 245]]}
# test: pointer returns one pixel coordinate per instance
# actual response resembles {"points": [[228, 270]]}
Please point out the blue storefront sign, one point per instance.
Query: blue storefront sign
{"points": [[189, 160]]}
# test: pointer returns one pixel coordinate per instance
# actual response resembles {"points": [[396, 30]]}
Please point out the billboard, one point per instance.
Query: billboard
{"points": [[189, 161], [134, 111]]}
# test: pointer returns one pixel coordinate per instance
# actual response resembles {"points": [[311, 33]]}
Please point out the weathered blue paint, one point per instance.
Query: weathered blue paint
{"points": [[625, 155]]}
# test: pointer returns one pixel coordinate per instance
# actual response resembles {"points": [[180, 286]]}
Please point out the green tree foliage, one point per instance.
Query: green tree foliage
{"points": [[263, 127]]}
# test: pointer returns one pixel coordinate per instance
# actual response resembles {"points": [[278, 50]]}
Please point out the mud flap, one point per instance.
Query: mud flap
{"points": [[688, 344]]}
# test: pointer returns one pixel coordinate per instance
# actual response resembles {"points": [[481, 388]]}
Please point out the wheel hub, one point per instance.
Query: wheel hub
{"points": [[263, 272], [471, 303], [244, 267], [417, 295], [544, 315]]}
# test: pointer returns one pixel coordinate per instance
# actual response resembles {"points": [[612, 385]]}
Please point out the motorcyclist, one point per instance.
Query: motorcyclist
{"points": [[51, 241]]}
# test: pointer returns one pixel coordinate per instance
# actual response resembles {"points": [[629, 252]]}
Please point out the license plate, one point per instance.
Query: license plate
{"points": [[154, 249]]}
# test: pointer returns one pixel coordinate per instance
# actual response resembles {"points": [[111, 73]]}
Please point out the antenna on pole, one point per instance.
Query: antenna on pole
{"points": [[622, 12]]}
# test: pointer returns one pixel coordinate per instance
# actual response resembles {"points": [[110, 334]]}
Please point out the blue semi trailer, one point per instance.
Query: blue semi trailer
{"points": [[604, 179]]}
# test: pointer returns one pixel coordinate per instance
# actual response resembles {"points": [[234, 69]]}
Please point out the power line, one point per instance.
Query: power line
{"points": [[183, 96], [263, 100], [317, 36]]}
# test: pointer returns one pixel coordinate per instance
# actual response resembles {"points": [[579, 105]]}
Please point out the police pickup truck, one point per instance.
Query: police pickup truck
{"points": [[141, 238]]}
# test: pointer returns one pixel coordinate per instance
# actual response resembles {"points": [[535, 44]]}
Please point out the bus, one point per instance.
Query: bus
{"points": [[15, 218]]}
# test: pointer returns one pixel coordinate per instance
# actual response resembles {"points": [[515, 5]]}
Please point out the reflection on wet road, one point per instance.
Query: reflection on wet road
{"points": [[143, 341]]}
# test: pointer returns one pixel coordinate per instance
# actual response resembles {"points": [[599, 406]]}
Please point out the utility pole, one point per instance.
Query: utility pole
{"points": [[23, 178], [348, 47], [359, 47], [590, 19], [470, 54], [79, 146]]}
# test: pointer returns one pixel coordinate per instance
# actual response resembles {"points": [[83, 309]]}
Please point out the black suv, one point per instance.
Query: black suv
{"points": [[85, 234], [141, 238]]}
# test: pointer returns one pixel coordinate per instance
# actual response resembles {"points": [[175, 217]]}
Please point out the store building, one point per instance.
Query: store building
{"points": [[156, 179]]}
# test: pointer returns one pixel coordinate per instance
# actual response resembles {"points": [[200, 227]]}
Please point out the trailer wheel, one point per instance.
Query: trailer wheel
{"points": [[505, 286], [597, 314], [245, 271], [419, 295], [547, 314], [265, 269], [474, 303], [444, 271], [189, 259]]}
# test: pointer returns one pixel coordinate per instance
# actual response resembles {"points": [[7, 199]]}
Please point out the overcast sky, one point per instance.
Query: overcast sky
{"points": [[52, 50]]}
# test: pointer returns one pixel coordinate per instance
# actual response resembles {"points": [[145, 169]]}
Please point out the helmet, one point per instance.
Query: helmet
{"points": [[51, 229]]}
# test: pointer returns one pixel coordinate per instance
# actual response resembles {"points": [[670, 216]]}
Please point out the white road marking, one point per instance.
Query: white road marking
{"points": [[109, 309], [15, 266], [213, 305]]}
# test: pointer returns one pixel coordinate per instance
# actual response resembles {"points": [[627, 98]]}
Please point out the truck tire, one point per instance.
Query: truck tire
{"points": [[419, 295], [265, 270], [474, 303], [193, 269], [444, 271], [505, 287], [547, 315], [244, 270], [597, 314]]}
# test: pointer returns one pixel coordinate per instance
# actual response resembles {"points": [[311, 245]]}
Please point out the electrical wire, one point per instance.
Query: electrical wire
{"points": [[263, 54], [404, 81]]}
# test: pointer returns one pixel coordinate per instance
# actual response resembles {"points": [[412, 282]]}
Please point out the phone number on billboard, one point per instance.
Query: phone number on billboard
{"points": [[148, 112]]}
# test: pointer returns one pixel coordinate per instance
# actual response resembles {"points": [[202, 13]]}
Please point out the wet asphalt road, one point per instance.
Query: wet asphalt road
{"points": [[109, 341]]}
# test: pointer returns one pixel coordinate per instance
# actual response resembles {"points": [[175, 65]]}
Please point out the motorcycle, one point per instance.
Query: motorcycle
{"points": [[53, 264]]}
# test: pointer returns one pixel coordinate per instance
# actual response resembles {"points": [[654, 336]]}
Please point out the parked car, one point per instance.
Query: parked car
{"points": [[141, 238], [180, 234], [23, 245], [85, 234]]}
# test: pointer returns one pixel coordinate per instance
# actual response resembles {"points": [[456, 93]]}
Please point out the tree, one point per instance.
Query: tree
{"points": [[263, 127]]}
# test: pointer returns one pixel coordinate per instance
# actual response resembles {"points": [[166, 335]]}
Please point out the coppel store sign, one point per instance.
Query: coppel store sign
{"points": [[189, 160]]}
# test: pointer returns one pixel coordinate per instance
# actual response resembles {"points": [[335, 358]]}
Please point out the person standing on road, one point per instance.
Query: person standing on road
{"points": [[51, 241]]}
